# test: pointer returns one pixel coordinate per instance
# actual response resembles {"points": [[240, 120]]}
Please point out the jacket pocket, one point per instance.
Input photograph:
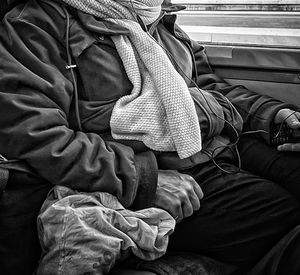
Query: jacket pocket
{"points": [[100, 71]]}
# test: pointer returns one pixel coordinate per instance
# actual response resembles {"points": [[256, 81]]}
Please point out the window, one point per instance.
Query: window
{"points": [[272, 23]]}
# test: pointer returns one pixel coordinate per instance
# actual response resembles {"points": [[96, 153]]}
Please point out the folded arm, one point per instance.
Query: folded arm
{"points": [[36, 98]]}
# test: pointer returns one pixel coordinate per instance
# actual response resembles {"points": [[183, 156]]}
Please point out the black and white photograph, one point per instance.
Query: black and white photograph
{"points": [[150, 137]]}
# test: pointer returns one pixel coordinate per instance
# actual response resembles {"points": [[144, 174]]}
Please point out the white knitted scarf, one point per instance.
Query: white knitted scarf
{"points": [[160, 111]]}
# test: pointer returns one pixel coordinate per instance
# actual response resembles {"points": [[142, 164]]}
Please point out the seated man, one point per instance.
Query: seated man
{"points": [[113, 96]]}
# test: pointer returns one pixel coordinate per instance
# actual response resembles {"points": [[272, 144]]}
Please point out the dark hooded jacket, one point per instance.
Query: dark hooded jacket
{"points": [[39, 102]]}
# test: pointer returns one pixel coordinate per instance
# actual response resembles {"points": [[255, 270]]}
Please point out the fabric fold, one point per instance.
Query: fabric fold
{"points": [[160, 111], [86, 233]]}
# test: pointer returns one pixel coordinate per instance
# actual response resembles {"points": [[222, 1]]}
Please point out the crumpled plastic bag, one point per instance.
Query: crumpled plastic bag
{"points": [[86, 233]]}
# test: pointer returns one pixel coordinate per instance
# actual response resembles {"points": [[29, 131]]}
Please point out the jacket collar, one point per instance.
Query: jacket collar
{"points": [[97, 25], [109, 28]]}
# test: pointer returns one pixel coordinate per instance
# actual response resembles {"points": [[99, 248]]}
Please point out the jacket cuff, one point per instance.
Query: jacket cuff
{"points": [[147, 173], [265, 117]]}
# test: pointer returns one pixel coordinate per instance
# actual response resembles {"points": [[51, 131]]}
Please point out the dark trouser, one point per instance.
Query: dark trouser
{"points": [[19, 207], [242, 215]]}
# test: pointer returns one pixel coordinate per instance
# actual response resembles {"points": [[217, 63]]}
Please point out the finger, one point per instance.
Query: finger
{"points": [[297, 114], [197, 188], [195, 201], [288, 115], [289, 147], [170, 203], [177, 213], [193, 197], [281, 115], [293, 121], [174, 207], [187, 209]]}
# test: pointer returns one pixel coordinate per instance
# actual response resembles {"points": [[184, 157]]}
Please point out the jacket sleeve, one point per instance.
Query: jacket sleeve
{"points": [[36, 95], [257, 111]]}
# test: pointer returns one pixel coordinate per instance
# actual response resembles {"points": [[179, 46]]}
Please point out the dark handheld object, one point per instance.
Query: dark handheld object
{"points": [[282, 133]]}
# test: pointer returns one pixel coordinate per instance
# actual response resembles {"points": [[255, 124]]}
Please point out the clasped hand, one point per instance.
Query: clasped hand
{"points": [[293, 121], [177, 193]]}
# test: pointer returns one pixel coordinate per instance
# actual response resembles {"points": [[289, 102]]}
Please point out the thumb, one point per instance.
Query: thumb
{"points": [[289, 116]]}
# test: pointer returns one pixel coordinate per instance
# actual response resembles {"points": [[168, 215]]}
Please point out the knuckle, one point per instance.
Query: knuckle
{"points": [[183, 195], [191, 178], [187, 177], [189, 188], [177, 203]]}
